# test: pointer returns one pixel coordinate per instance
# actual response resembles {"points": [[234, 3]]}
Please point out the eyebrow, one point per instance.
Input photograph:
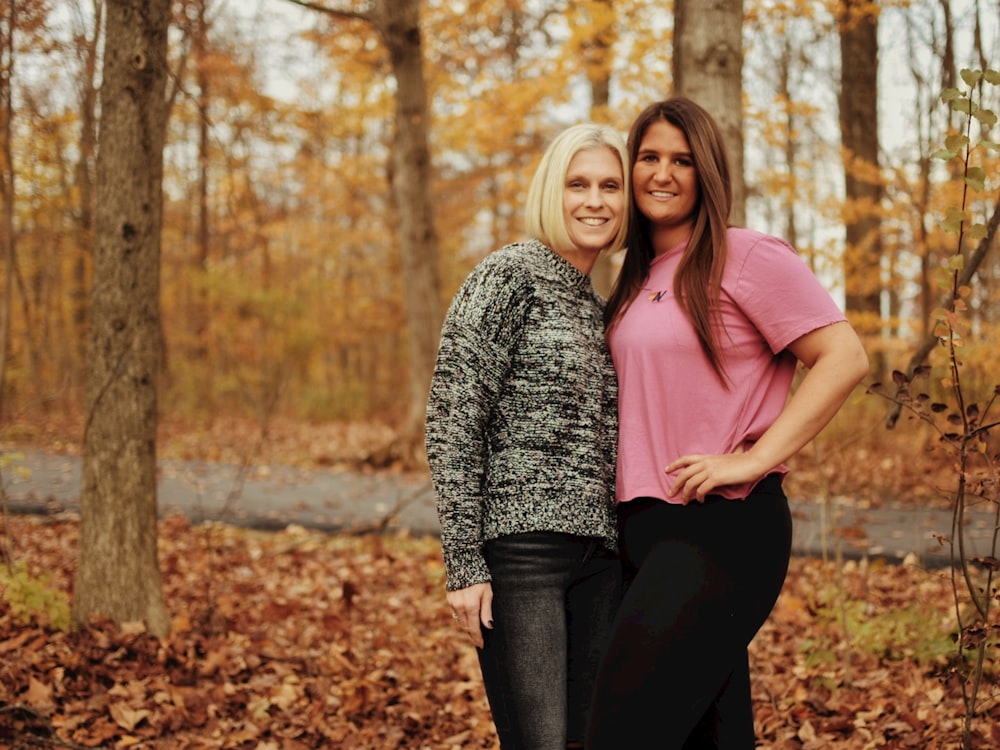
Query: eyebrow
{"points": [[673, 154], [604, 178]]}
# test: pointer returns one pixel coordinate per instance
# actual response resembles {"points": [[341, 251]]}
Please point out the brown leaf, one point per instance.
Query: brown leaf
{"points": [[39, 695], [127, 717]]}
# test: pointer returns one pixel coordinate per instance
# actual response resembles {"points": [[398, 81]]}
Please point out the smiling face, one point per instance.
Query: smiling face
{"points": [[665, 184], [593, 201]]}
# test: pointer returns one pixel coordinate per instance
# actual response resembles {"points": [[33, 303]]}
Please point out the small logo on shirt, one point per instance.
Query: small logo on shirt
{"points": [[657, 296]]}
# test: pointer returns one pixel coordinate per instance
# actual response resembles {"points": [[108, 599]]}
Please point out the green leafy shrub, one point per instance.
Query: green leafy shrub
{"points": [[893, 634], [29, 597]]}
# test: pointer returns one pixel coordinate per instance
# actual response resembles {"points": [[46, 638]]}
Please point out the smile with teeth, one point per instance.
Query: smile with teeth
{"points": [[593, 222], [661, 194]]}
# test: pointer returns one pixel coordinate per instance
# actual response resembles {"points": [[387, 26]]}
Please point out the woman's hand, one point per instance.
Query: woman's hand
{"points": [[700, 474], [472, 607]]}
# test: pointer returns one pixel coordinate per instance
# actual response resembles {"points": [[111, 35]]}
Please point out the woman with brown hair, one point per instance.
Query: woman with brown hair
{"points": [[706, 325]]}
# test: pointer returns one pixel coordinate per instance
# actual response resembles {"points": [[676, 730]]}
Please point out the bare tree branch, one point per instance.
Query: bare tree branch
{"points": [[964, 278], [335, 12]]}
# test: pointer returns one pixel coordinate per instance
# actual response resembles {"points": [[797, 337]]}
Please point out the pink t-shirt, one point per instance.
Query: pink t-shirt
{"points": [[670, 401]]}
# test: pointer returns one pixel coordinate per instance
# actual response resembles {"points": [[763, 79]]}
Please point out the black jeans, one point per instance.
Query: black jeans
{"points": [[702, 579], [554, 598]]}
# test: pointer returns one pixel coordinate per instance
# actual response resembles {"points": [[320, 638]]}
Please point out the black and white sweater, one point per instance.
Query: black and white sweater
{"points": [[522, 419]]}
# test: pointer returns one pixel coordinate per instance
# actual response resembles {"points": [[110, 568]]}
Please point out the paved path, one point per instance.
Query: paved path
{"points": [[272, 497]]}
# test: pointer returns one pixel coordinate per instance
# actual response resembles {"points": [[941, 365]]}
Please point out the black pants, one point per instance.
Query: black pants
{"points": [[702, 579]]}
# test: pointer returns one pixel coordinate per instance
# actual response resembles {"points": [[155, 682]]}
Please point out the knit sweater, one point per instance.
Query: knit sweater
{"points": [[522, 416]]}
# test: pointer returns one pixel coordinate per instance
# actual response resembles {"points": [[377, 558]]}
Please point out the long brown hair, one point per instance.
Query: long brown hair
{"points": [[699, 275]]}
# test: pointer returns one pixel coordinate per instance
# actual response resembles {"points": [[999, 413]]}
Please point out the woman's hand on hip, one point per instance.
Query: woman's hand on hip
{"points": [[472, 607], [702, 473]]}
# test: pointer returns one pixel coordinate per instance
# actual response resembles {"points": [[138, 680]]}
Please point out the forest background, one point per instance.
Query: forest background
{"points": [[282, 286], [287, 328]]}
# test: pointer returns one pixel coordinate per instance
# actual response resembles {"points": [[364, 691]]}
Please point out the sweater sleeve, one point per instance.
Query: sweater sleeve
{"points": [[478, 340]]}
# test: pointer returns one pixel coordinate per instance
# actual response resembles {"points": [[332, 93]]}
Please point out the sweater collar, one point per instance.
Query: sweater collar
{"points": [[562, 268]]}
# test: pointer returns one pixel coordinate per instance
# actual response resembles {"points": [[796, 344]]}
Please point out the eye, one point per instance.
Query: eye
{"points": [[611, 186]]}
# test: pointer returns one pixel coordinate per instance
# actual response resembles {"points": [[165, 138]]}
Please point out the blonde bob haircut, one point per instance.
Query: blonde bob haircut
{"points": [[543, 209]]}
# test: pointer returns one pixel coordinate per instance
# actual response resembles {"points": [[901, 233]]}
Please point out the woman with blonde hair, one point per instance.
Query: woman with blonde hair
{"points": [[521, 435]]}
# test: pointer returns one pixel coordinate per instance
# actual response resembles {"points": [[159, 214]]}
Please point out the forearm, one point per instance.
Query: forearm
{"points": [[816, 400], [808, 411], [456, 454]]}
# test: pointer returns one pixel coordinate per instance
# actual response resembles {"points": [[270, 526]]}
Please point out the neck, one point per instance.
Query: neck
{"points": [[663, 239], [582, 260]]}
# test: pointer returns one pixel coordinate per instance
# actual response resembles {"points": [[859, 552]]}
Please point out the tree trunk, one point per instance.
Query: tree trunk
{"points": [[7, 188], [859, 132], [597, 52], [118, 574], [708, 67], [201, 317], [84, 175], [399, 23], [784, 65]]}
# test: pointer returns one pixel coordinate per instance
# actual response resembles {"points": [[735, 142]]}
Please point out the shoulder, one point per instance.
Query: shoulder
{"points": [[752, 253], [497, 287], [516, 260], [742, 241], [757, 263], [500, 268]]}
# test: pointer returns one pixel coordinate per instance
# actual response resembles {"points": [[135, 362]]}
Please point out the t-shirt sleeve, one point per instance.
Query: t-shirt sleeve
{"points": [[780, 294], [478, 339]]}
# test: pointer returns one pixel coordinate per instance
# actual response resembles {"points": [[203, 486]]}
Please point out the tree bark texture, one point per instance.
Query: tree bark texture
{"points": [[118, 574], [84, 175], [7, 257], [597, 51], [399, 23], [708, 68], [859, 128]]}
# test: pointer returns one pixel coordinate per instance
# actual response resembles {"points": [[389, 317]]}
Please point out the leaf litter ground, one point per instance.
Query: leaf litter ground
{"points": [[297, 639], [301, 640]]}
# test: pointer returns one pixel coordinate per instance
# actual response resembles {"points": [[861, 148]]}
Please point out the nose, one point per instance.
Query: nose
{"points": [[594, 196], [664, 171]]}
